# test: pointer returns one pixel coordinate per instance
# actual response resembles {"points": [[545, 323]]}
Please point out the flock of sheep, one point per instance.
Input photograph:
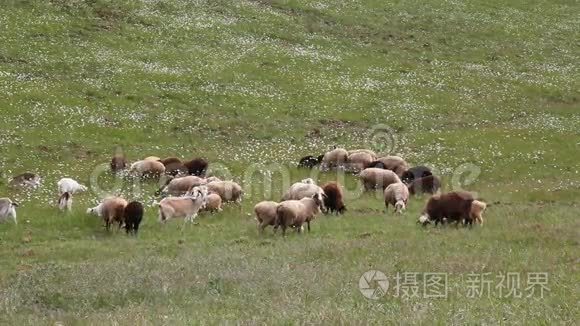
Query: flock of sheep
{"points": [[186, 191]]}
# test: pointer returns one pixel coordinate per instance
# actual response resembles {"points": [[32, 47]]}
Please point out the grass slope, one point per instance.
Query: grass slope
{"points": [[486, 92]]}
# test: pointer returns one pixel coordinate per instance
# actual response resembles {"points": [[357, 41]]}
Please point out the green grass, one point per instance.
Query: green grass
{"points": [[488, 85]]}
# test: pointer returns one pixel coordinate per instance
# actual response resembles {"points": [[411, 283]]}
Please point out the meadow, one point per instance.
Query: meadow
{"points": [[485, 92]]}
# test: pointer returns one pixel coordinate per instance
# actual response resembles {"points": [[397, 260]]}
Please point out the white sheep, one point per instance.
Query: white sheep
{"points": [[147, 168], [336, 158], [69, 185], [213, 203], [229, 191], [111, 209], [397, 194], [297, 212], [302, 189], [375, 178], [65, 201], [187, 207], [265, 214], [394, 163], [367, 151], [180, 186], [7, 209], [358, 161]]}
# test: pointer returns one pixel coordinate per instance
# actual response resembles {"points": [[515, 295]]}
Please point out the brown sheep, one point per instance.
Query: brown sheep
{"points": [[111, 209], [457, 206], [265, 214], [118, 163], [394, 163], [429, 184], [375, 178], [333, 199]]}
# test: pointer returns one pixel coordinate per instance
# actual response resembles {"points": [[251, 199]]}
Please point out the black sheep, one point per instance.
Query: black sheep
{"points": [[416, 173], [133, 215]]}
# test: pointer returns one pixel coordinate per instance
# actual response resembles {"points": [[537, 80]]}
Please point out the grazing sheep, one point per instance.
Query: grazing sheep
{"points": [[453, 206], [375, 178], [133, 215], [429, 184], [333, 199], [197, 167], [147, 169], [70, 185], [26, 180], [179, 186], [394, 163], [367, 151], [334, 159], [294, 213], [118, 163], [152, 158], [476, 212], [265, 214], [415, 172], [358, 161], [376, 164], [7, 209], [65, 201], [213, 203], [302, 189], [111, 209], [229, 191], [310, 161], [187, 207], [174, 167], [397, 194], [212, 179]]}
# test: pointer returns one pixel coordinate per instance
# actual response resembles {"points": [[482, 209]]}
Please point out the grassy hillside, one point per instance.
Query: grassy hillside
{"points": [[485, 92]]}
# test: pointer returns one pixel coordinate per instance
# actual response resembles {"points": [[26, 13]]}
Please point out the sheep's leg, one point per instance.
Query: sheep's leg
{"points": [[308, 224], [13, 214]]}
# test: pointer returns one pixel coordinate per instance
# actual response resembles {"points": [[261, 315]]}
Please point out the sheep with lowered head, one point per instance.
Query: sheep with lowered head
{"points": [[429, 184], [26, 180], [458, 206], [7, 210], [197, 167], [415, 172], [213, 203], [333, 198], [132, 215], [375, 178], [265, 214], [302, 189], [180, 186], [394, 163], [336, 158], [358, 161], [111, 209], [294, 213], [229, 191], [70, 185], [187, 207], [397, 195], [147, 169], [118, 163], [373, 154]]}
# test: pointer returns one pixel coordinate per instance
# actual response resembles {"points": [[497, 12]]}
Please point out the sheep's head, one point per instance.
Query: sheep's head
{"points": [[400, 207], [424, 219], [477, 209], [83, 188], [308, 181]]}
